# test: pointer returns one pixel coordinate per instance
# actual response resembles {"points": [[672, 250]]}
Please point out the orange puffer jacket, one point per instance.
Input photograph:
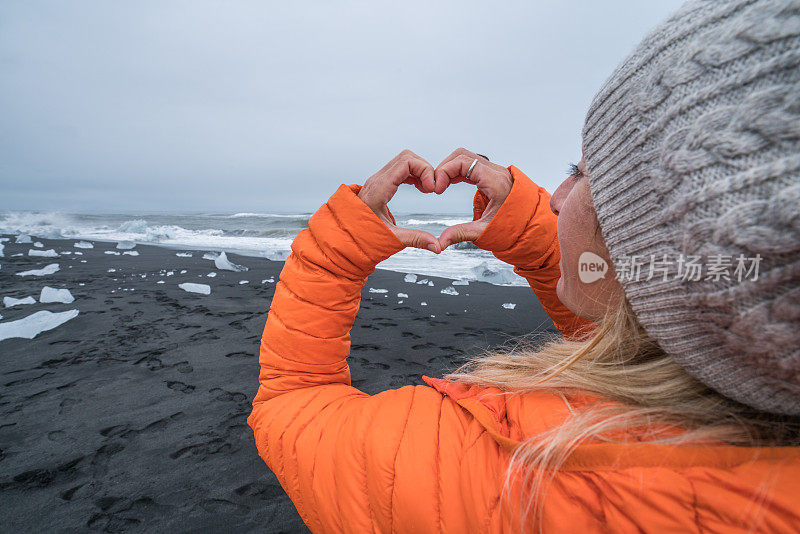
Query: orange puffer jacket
{"points": [[433, 458]]}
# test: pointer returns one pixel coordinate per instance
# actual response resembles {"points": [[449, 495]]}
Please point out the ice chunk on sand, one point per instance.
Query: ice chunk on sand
{"points": [[270, 279], [51, 294], [23, 238], [242, 282], [494, 274], [449, 290], [211, 274], [184, 271], [112, 252], [160, 282], [34, 324], [184, 254], [43, 253], [222, 262], [462, 282], [111, 271], [130, 253], [203, 289], [211, 256], [9, 302], [423, 281], [83, 244], [412, 278], [126, 245], [2, 246], [402, 296], [430, 284], [47, 269], [509, 305], [67, 252], [373, 290], [38, 244], [423, 303]]}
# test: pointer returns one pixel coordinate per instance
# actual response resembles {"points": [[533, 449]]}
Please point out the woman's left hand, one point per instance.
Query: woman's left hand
{"points": [[378, 190]]}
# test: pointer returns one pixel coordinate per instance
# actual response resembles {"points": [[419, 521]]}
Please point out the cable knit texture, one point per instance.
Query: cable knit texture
{"points": [[693, 148]]}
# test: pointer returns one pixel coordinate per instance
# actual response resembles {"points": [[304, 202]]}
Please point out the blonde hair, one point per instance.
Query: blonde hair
{"points": [[615, 361]]}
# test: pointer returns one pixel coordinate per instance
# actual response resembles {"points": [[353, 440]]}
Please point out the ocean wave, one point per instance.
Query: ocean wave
{"points": [[428, 222], [136, 226], [267, 215], [460, 260]]}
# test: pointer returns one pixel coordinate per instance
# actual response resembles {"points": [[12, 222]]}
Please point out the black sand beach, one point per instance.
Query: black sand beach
{"points": [[132, 415]]}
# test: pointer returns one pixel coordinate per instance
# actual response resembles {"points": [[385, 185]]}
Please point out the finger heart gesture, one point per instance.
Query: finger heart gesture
{"points": [[493, 180]]}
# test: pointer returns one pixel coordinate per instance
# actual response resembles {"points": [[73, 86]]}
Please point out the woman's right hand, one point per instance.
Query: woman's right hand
{"points": [[492, 180]]}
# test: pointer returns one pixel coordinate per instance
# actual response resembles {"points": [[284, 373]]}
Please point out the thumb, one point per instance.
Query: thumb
{"points": [[461, 232], [418, 239]]}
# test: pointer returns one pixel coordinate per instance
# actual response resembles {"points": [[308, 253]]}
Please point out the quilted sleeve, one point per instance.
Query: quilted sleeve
{"points": [[335, 449], [523, 233]]}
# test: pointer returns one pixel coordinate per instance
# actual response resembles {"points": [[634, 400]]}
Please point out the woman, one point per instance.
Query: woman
{"points": [[672, 401]]}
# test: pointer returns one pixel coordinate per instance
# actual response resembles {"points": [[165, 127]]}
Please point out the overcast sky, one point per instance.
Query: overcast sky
{"points": [[230, 106]]}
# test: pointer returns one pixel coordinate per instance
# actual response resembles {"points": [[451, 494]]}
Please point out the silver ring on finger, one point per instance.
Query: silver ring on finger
{"points": [[469, 171]]}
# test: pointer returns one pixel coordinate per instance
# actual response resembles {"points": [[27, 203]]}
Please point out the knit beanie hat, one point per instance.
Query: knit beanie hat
{"points": [[692, 147]]}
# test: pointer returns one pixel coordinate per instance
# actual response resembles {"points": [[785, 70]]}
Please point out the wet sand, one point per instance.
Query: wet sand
{"points": [[132, 416]]}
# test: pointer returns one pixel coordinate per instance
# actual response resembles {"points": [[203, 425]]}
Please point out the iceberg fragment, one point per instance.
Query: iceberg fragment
{"points": [[136, 226], [83, 244], [412, 278], [222, 262], [34, 324], [51, 294], [47, 269], [373, 290], [184, 254], [23, 238], [449, 290], [50, 253], [499, 275], [126, 245], [509, 305], [130, 253], [38, 244], [203, 289], [10, 302]]}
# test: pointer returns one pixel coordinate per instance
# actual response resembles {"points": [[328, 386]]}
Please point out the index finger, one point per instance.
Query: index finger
{"points": [[443, 181], [455, 170], [411, 167]]}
